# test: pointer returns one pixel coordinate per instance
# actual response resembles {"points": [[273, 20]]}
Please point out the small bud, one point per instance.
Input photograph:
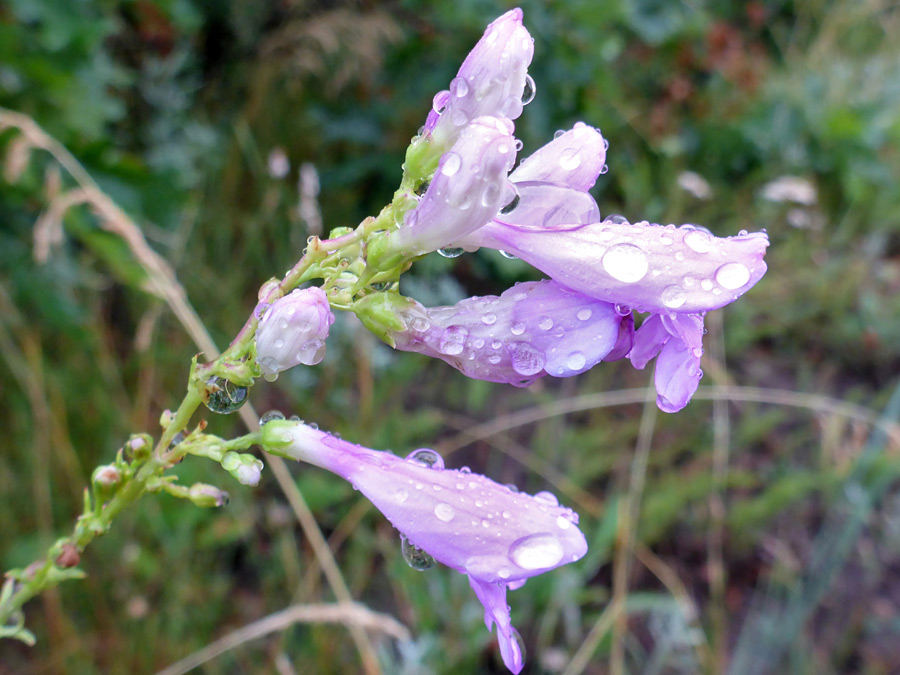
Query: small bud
{"points": [[292, 331], [69, 557], [208, 496], [106, 475], [246, 468]]}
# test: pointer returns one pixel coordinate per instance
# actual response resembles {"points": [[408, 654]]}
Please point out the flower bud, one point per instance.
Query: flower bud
{"points": [[293, 330], [246, 468], [106, 475], [207, 496]]}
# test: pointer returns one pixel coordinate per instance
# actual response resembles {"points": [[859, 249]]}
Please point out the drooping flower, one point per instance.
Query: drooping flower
{"points": [[491, 81], [498, 537], [533, 329], [293, 331]]}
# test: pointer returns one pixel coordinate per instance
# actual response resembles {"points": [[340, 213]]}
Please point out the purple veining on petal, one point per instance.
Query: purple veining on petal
{"points": [[650, 268], [496, 536]]}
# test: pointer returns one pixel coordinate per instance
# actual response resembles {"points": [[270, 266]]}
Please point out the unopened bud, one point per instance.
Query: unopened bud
{"points": [[68, 557], [208, 496], [106, 475], [292, 331], [246, 468]]}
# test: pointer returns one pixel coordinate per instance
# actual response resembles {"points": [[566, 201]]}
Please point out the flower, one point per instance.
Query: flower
{"points": [[467, 190], [491, 81], [293, 330], [533, 329], [496, 536], [677, 339]]}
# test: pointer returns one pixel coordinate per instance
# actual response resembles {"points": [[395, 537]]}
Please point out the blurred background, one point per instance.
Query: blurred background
{"points": [[757, 531]]}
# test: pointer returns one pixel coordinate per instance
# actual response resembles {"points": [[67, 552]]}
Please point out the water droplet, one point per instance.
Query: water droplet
{"points": [[444, 512], [382, 285], [489, 319], [459, 87], [494, 360], [570, 159], [439, 102], [508, 256], [414, 556], [575, 361], [453, 340], [529, 91], [491, 195], [547, 498], [626, 263], [526, 360], [604, 169], [224, 395], [496, 344], [512, 203], [270, 415], [536, 551], [485, 522], [421, 190], [503, 573], [427, 458], [673, 296], [517, 328], [697, 352], [546, 323], [732, 275], [622, 310], [584, 314], [617, 219], [451, 252], [450, 164], [401, 496], [563, 523], [706, 285], [698, 241], [519, 145], [176, 439], [506, 514]]}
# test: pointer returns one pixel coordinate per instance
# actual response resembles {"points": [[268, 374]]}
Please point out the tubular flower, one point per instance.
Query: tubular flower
{"points": [[496, 536], [533, 329], [491, 81], [293, 330]]}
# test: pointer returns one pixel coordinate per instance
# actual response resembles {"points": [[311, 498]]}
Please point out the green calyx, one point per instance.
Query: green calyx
{"points": [[381, 312]]}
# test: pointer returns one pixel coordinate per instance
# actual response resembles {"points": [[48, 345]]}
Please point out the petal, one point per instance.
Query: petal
{"points": [[493, 598], [649, 339], [573, 159]]}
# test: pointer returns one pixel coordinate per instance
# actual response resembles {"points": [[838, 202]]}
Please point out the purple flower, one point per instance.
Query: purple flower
{"points": [[495, 535], [531, 330], [491, 81], [678, 340], [293, 330], [650, 268], [468, 189]]}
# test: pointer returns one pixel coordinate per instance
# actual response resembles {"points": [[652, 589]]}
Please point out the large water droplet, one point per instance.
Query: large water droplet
{"points": [[270, 415], [584, 314], [508, 255], [673, 296], [626, 263], [444, 512], [401, 495], [546, 323], [450, 164], [517, 328], [547, 498], [697, 241], [529, 91], [536, 551], [732, 275], [426, 457], [459, 87], [575, 361], [617, 219], [491, 195], [414, 556], [453, 340], [451, 252], [570, 159], [489, 319], [526, 360], [224, 395], [512, 203]]}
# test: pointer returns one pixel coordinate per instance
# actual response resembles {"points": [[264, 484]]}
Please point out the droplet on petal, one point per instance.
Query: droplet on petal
{"points": [[732, 275], [444, 512], [673, 296], [536, 551], [529, 91], [626, 263], [526, 360], [426, 457], [414, 556]]}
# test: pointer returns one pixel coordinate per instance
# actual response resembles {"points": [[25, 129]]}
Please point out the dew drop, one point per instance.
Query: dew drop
{"points": [[529, 91], [547, 498], [706, 284], [626, 263], [546, 323], [224, 395], [563, 523], [536, 551], [503, 573], [575, 361], [450, 164], [570, 159], [584, 314], [512, 203], [459, 87], [414, 556], [732, 275], [451, 252], [604, 169], [508, 255], [489, 319], [269, 416], [444, 512], [494, 360], [453, 340], [421, 190], [697, 352], [401, 496], [673, 296], [526, 360], [517, 328], [427, 458], [617, 219], [698, 241]]}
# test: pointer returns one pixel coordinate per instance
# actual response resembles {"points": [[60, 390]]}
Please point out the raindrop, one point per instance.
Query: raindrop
{"points": [[626, 263], [491, 195], [575, 361], [453, 340], [426, 457], [604, 169], [536, 551], [444, 512], [489, 319], [439, 102], [529, 91], [558, 133], [517, 328], [494, 360], [382, 285], [584, 314], [526, 360], [450, 164], [546, 323], [617, 219], [176, 439], [503, 573], [401, 496], [706, 285], [547, 498], [513, 202], [698, 241], [673, 296], [459, 87], [570, 159], [509, 256], [732, 275], [622, 310], [414, 556], [519, 145], [697, 352], [224, 395], [451, 252], [270, 415], [421, 190], [563, 523]]}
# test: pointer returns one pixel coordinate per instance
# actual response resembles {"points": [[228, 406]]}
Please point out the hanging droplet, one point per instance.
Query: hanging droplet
{"points": [[414, 556], [270, 415], [529, 91], [451, 252], [604, 169], [423, 188], [224, 396], [617, 219], [558, 133], [508, 255], [512, 203], [426, 457], [176, 439]]}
